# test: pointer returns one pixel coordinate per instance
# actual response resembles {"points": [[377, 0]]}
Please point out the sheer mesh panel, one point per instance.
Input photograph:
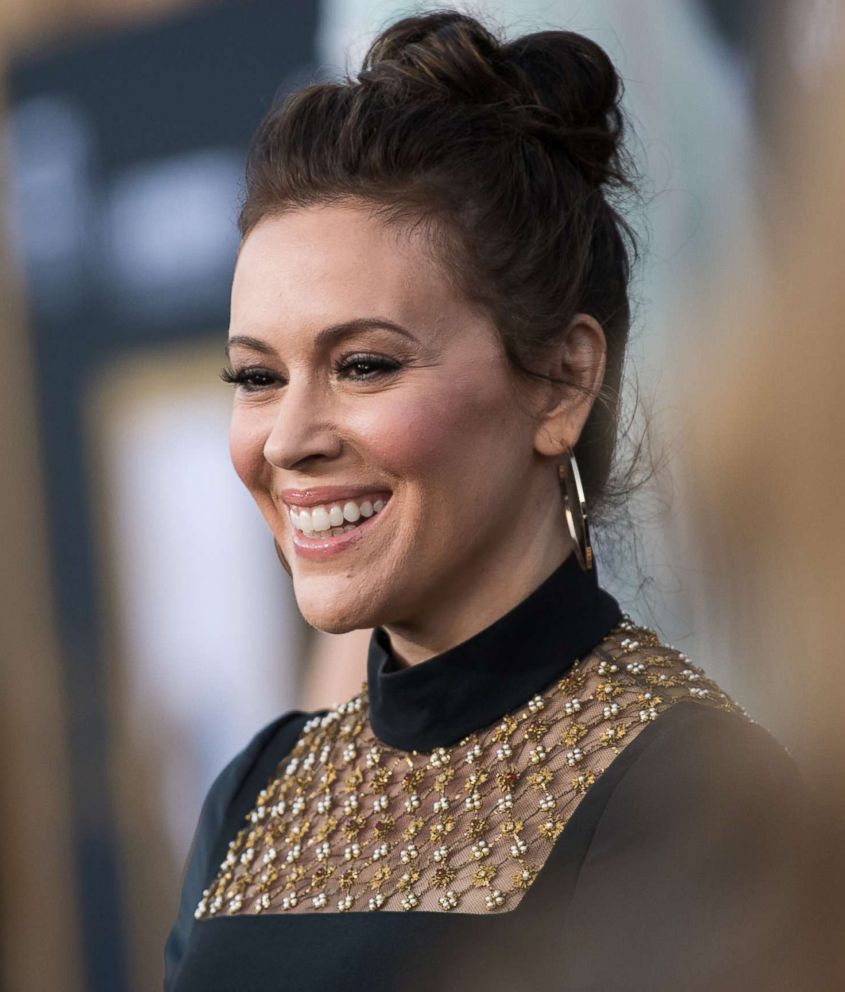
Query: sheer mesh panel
{"points": [[350, 824]]}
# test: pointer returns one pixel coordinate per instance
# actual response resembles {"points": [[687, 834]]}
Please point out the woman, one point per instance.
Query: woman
{"points": [[429, 320]]}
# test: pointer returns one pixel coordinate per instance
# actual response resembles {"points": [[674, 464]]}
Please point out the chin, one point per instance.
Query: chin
{"points": [[339, 615]]}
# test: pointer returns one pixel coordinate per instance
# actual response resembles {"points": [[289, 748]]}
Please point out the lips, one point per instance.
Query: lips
{"points": [[317, 495]]}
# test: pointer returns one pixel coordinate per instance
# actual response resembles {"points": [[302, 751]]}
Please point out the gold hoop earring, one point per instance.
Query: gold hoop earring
{"points": [[282, 558], [575, 508]]}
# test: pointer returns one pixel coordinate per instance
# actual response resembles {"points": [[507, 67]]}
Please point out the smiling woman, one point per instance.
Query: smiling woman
{"points": [[418, 404], [429, 318]]}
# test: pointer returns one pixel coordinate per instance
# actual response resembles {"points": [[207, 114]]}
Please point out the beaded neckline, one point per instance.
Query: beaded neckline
{"points": [[350, 823]]}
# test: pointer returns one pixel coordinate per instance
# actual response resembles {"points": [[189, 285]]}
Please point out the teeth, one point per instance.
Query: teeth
{"points": [[320, 518], [335, 519]]}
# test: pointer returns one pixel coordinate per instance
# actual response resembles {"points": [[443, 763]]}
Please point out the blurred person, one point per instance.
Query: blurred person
{"points": [[767, 469], [531, 791]]}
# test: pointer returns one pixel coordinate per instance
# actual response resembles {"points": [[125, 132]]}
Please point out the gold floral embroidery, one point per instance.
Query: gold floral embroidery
{"points": [[342, 824]]}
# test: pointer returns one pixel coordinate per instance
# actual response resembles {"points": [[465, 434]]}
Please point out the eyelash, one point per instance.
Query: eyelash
{"points": [[383, 366]]}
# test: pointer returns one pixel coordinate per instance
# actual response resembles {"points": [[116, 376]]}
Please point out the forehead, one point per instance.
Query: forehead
{"points": [[332, 262]]}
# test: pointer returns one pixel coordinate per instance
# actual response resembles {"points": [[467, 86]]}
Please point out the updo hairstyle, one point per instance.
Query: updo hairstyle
{"points": [[508, 155]]}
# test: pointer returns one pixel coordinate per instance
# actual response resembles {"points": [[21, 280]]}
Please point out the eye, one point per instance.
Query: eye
{"points": [[362, 366], [357, 367], [246, 378]]}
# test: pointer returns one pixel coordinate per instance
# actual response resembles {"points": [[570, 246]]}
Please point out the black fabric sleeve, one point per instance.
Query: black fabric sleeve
{"points": [[692, 876], [229, 799]]}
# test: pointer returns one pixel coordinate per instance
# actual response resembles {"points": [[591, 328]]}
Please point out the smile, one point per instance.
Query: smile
{"points": [[335, 518], [316, 533]]}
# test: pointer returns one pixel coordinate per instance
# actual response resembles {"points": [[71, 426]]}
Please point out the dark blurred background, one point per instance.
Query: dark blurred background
{"points": [[146, 628]]}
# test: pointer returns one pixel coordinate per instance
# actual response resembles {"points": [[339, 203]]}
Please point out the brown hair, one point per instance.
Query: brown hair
{"points": [[507, 153]]}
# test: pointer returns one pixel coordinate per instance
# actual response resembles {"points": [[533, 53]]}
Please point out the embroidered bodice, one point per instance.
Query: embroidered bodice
{"points": [[561, 801], [353, 823]]}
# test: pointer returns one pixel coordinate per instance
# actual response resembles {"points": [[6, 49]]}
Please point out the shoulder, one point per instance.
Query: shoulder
{"points": [[240, 780], [694, 858], [231, 796], [700, 744], [669, 722], [706, 767]]}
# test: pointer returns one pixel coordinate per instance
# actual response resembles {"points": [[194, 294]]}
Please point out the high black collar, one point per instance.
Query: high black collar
{"points": [[438, 701]]}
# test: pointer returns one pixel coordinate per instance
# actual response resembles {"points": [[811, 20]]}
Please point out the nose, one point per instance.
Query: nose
{"points": [[303, 428]]}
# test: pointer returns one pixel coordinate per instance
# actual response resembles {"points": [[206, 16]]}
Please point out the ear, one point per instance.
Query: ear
{"points": [[579, 359]]}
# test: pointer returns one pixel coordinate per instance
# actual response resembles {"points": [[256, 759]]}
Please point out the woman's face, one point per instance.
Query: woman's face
{"points": [[371, 380]]}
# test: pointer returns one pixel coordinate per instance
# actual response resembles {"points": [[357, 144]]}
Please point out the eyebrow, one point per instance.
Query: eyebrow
{"points": [[325, 336]]}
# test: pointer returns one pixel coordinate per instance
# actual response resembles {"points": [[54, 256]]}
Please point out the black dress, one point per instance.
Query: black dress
{"points": [[560, 802]]}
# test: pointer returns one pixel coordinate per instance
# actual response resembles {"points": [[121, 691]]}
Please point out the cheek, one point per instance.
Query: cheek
{"points": [[246, 450], [410, 441], [433, 433]]}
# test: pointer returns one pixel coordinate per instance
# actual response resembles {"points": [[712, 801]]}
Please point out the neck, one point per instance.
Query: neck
{"points": [[475, 599], [490, 672]]}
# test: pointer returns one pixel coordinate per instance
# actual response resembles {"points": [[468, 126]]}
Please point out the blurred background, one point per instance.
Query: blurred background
{"points": [[147, 629]]}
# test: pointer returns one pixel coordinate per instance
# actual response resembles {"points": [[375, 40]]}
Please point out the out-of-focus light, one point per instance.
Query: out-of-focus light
{"points": [[52, 160], [169, 231]]}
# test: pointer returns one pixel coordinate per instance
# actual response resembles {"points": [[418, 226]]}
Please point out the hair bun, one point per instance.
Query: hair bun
{"points": [[442, 51], [576, 92], [556, 86]]}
